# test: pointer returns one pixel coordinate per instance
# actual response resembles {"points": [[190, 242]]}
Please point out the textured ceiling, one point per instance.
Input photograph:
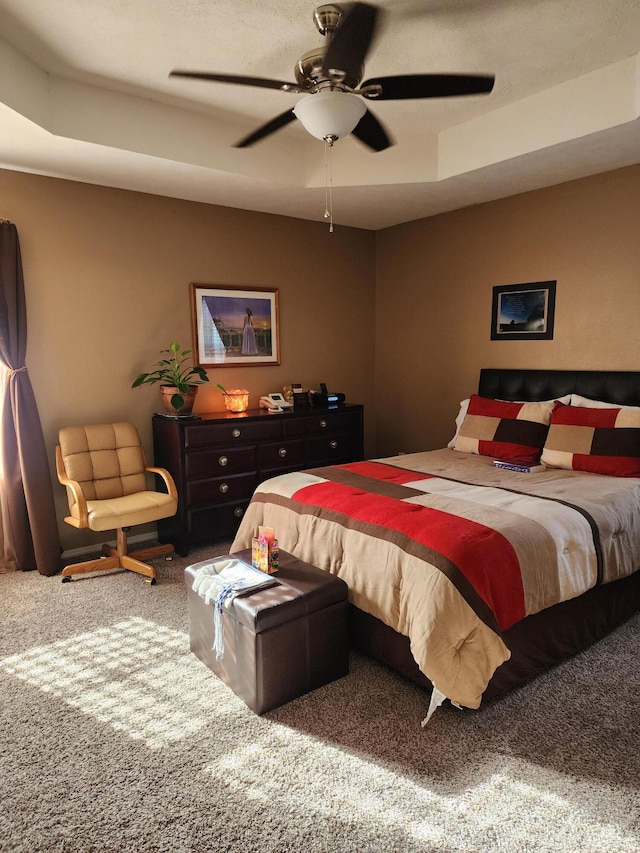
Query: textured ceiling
{"points": [[85, 95]]}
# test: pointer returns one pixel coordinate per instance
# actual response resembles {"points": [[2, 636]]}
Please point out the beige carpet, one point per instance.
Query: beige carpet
{"points": [[113, 737]]}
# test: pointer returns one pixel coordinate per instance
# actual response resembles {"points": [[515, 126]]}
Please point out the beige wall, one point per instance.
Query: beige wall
{"points": [[434, 288], [107, 276]]}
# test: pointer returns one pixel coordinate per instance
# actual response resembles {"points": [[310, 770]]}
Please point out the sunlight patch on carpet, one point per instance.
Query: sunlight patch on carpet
{"points": [[124, 675], [383, 798]]}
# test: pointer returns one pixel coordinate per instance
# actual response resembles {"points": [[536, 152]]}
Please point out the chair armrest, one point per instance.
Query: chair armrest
{"points": [[76, 490], [168, 480]]}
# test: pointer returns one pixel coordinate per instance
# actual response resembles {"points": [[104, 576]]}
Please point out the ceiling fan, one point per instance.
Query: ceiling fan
{"points": [[330, 78]]}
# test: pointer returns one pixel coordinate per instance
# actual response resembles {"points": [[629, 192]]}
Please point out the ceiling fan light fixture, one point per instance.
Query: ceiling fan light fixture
{"points": [[332, 76], [330, 115]]}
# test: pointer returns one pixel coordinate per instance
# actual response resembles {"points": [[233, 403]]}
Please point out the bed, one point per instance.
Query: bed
{"points": [[468, 578]]}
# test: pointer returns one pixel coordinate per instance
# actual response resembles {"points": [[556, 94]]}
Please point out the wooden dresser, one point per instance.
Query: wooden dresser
{"points": [[219, 459]]}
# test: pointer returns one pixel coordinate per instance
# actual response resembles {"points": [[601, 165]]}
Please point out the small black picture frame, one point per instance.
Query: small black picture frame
{"points": [[523, 312]]}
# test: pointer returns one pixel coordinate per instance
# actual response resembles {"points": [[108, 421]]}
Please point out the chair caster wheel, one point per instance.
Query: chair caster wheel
{"points": [[151, 581], [66, 579]]}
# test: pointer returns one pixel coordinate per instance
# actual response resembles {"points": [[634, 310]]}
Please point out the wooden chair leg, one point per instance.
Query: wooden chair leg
{"points": [[102, 564], [121, 545], [151, 552], [120, 558], [138, 567]]}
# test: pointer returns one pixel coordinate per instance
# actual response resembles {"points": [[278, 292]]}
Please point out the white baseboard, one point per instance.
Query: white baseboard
{"points": [[87, 550]]}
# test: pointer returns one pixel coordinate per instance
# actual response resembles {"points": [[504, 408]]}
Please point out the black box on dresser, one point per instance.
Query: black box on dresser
{"points": [[218, 460]]}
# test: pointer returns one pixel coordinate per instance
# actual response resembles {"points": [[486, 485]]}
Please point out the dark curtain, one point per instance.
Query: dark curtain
{"points": [[30, 530]]}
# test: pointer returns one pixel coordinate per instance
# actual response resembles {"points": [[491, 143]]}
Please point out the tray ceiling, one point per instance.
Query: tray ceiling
{"points": [[85, 95]]}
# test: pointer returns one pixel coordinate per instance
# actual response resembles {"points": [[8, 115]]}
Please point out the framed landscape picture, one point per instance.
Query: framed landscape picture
{"points": [[523, 312], [234, 326]]}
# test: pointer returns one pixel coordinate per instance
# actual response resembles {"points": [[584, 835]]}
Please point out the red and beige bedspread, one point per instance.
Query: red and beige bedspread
{"points": [[451, 551]]}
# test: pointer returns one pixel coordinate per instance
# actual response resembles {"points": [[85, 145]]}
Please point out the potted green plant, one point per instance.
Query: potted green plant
{"points": [[178, 379]]}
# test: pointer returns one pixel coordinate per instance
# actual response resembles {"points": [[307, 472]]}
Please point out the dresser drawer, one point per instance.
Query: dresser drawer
{"points": [[328, 449], [234, 430], [218, 460], [226, 460], [213, 522], [221, 489], [281, 454], [331, 420], [292, 426]]}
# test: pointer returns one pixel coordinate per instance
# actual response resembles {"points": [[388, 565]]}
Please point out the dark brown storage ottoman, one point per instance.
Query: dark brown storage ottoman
{"points": [[279, 642]]}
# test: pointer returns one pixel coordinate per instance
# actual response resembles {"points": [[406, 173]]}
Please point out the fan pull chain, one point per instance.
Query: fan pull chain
{"points": [[328, 183]]}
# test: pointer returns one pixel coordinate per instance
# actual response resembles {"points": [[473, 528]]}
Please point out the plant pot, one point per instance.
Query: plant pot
{"points": [[168, 391]]}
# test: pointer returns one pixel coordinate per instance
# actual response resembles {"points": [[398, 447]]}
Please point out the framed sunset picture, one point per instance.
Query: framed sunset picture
{"points": [[234, 326]]}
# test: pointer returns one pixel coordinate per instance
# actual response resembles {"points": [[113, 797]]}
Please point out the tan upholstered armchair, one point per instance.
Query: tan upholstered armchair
{"points": [[104, 469]]}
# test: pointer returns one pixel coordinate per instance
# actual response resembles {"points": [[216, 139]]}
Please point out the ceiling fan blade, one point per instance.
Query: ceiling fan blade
{"points": [[242, 81], [270, 127], [404, 86], [350, 43], [371, 132]]}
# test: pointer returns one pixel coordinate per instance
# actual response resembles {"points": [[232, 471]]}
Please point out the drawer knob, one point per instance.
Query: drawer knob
{"points": [[236, 433], [323, 423], [223, 460], [224, 488], [333, 444], [238, 512], [282, 452]]}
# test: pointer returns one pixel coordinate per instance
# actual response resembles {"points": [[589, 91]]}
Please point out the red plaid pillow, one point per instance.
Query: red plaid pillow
{"points": [[505, 430], [602, 441]]}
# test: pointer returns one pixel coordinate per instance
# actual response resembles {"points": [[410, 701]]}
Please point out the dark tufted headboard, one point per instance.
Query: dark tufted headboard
{"points": [[611, 386]]}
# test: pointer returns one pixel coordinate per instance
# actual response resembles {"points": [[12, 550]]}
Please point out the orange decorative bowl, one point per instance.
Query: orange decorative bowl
{"points": [[236, 401]]}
